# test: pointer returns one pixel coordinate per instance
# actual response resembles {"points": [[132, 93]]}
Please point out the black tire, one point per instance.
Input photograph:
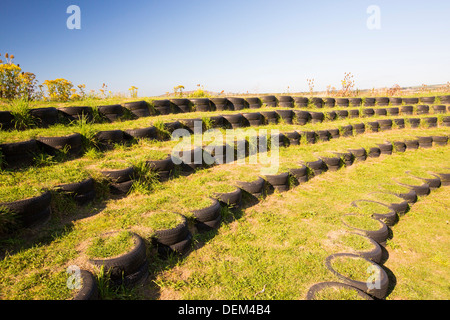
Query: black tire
{"points": [[374, 126], [281, 179], [138, 108], [380, 235], [317, 102], [334, 133], [382, 101], [110, 136], [408, 110], [359, 153], [342, 102], [301, 102], [347, 158], [181, 105], [269, 117], [427, 100], [412, 144], [209, 213], [285, 115], [286, 104], [53, 144], [252, 116], [209, 225], [19, 154], [45, 116], [293, 137], [312, 292], [161, 165], [439, 109], [411, 100], [330, 115], [316, 166], [111, 109], [445, 178], [234, 119], [414, 122], [369, 102], [430, 122], [142, 133], [126, 264], [395, 101], [399, 146], [317, 117], [433, 183], [85, 198], [379, 293], [390, 218], [253, 187], [236, 103], [165, 110], [374, 152], [353, 113], [121, 188], [410, 196], [323, 135], [399, 123], [89, 289], [355, 102], [393, 111], [386, 148], [440, 140], [330, 102], [342, 114], [232, 199], [375, 255], [6, 120], [380, 112], [76, 113], [118, 176], [161, 103], [136, 105], [77, 188], [311, 136], [332, 163], [268, 98], [174, 235], [359, 128], [301, 173], [302, 117], [31, 211], [422, 109], [347, 130], [421, 190], [425, 141], [111, 112]]}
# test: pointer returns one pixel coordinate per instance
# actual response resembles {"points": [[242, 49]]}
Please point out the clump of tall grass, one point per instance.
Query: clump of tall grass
{"points": [[20, 110]]}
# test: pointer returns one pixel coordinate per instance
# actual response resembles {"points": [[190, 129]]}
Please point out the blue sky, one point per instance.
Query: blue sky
{"points": [[257, 46]]}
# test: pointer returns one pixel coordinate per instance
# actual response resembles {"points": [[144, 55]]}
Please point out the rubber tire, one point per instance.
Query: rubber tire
{"points": [[377, 293], [125, 264]]}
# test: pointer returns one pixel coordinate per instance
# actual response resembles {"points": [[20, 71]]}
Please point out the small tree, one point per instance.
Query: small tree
{"points": [[311, 86], [178, 90], [58, 89], [347, 85]]}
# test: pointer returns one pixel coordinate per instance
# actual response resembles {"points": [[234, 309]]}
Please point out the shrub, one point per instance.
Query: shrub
{"points": [[58, 89]]}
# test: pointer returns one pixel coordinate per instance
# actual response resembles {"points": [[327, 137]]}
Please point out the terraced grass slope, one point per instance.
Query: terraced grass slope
{"points": [[270, 247]]}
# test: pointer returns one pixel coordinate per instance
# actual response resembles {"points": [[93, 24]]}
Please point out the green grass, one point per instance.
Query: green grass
{"points": [[333, 293], [352, 267], [279, 244], [110, 245], [418, 252]]}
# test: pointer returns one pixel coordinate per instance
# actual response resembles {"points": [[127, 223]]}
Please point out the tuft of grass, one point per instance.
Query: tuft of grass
{"points": [[110, 245]]}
